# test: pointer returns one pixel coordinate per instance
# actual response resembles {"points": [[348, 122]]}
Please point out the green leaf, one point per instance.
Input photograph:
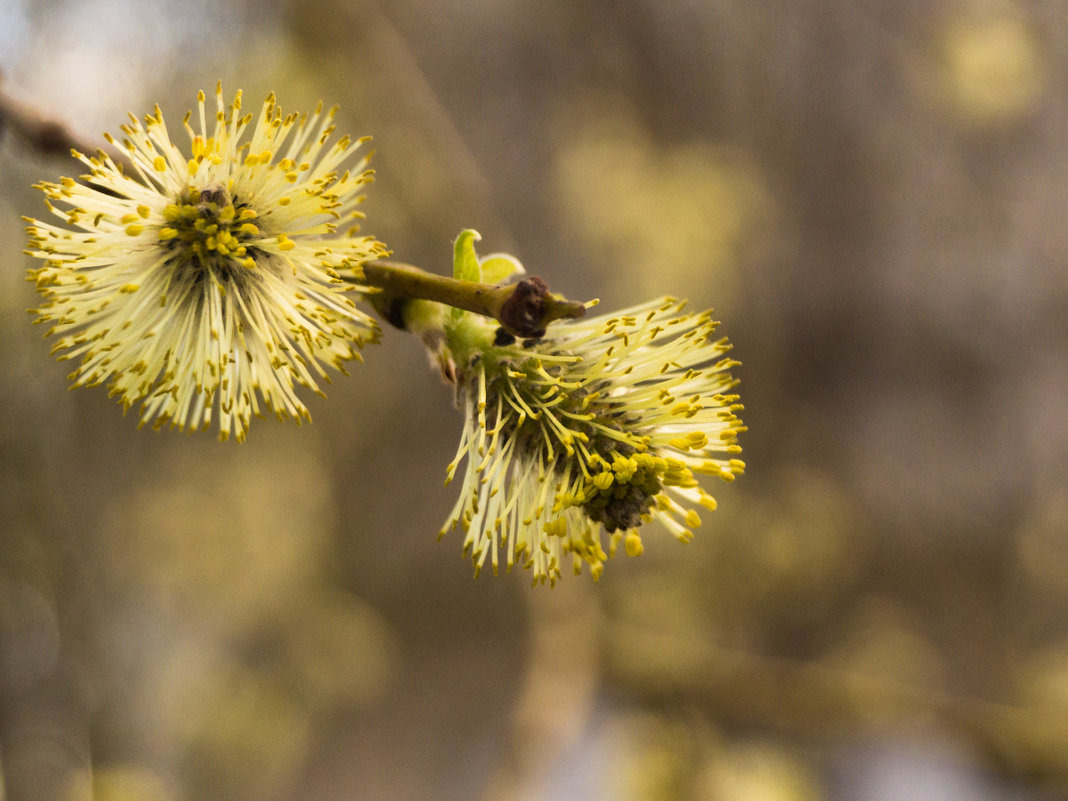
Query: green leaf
{"points": [[464, 259], [498, 266]]}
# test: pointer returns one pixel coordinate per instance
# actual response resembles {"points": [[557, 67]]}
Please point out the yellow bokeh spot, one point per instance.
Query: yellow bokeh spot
{"points": [[992, 67], [653, 213]]}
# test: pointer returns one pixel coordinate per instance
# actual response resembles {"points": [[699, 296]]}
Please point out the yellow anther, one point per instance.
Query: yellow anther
{"points": [[603, 480], [557, 527], [633, 543], [624, 468]]}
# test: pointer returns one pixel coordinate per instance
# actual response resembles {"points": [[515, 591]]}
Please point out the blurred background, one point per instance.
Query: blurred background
{"points": [[872, 197]]}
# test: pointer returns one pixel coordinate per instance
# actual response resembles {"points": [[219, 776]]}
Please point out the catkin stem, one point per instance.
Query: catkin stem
{"points": [[523, 309]]}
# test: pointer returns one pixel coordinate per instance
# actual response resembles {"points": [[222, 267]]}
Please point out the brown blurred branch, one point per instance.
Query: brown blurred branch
{"points": [[47, 136], [418, 92], [815, 699], [558, 693]]}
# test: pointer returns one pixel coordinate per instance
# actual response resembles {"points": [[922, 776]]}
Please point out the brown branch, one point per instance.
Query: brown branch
{"points": [[813, 700], [523, 309], [46, 136]]}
